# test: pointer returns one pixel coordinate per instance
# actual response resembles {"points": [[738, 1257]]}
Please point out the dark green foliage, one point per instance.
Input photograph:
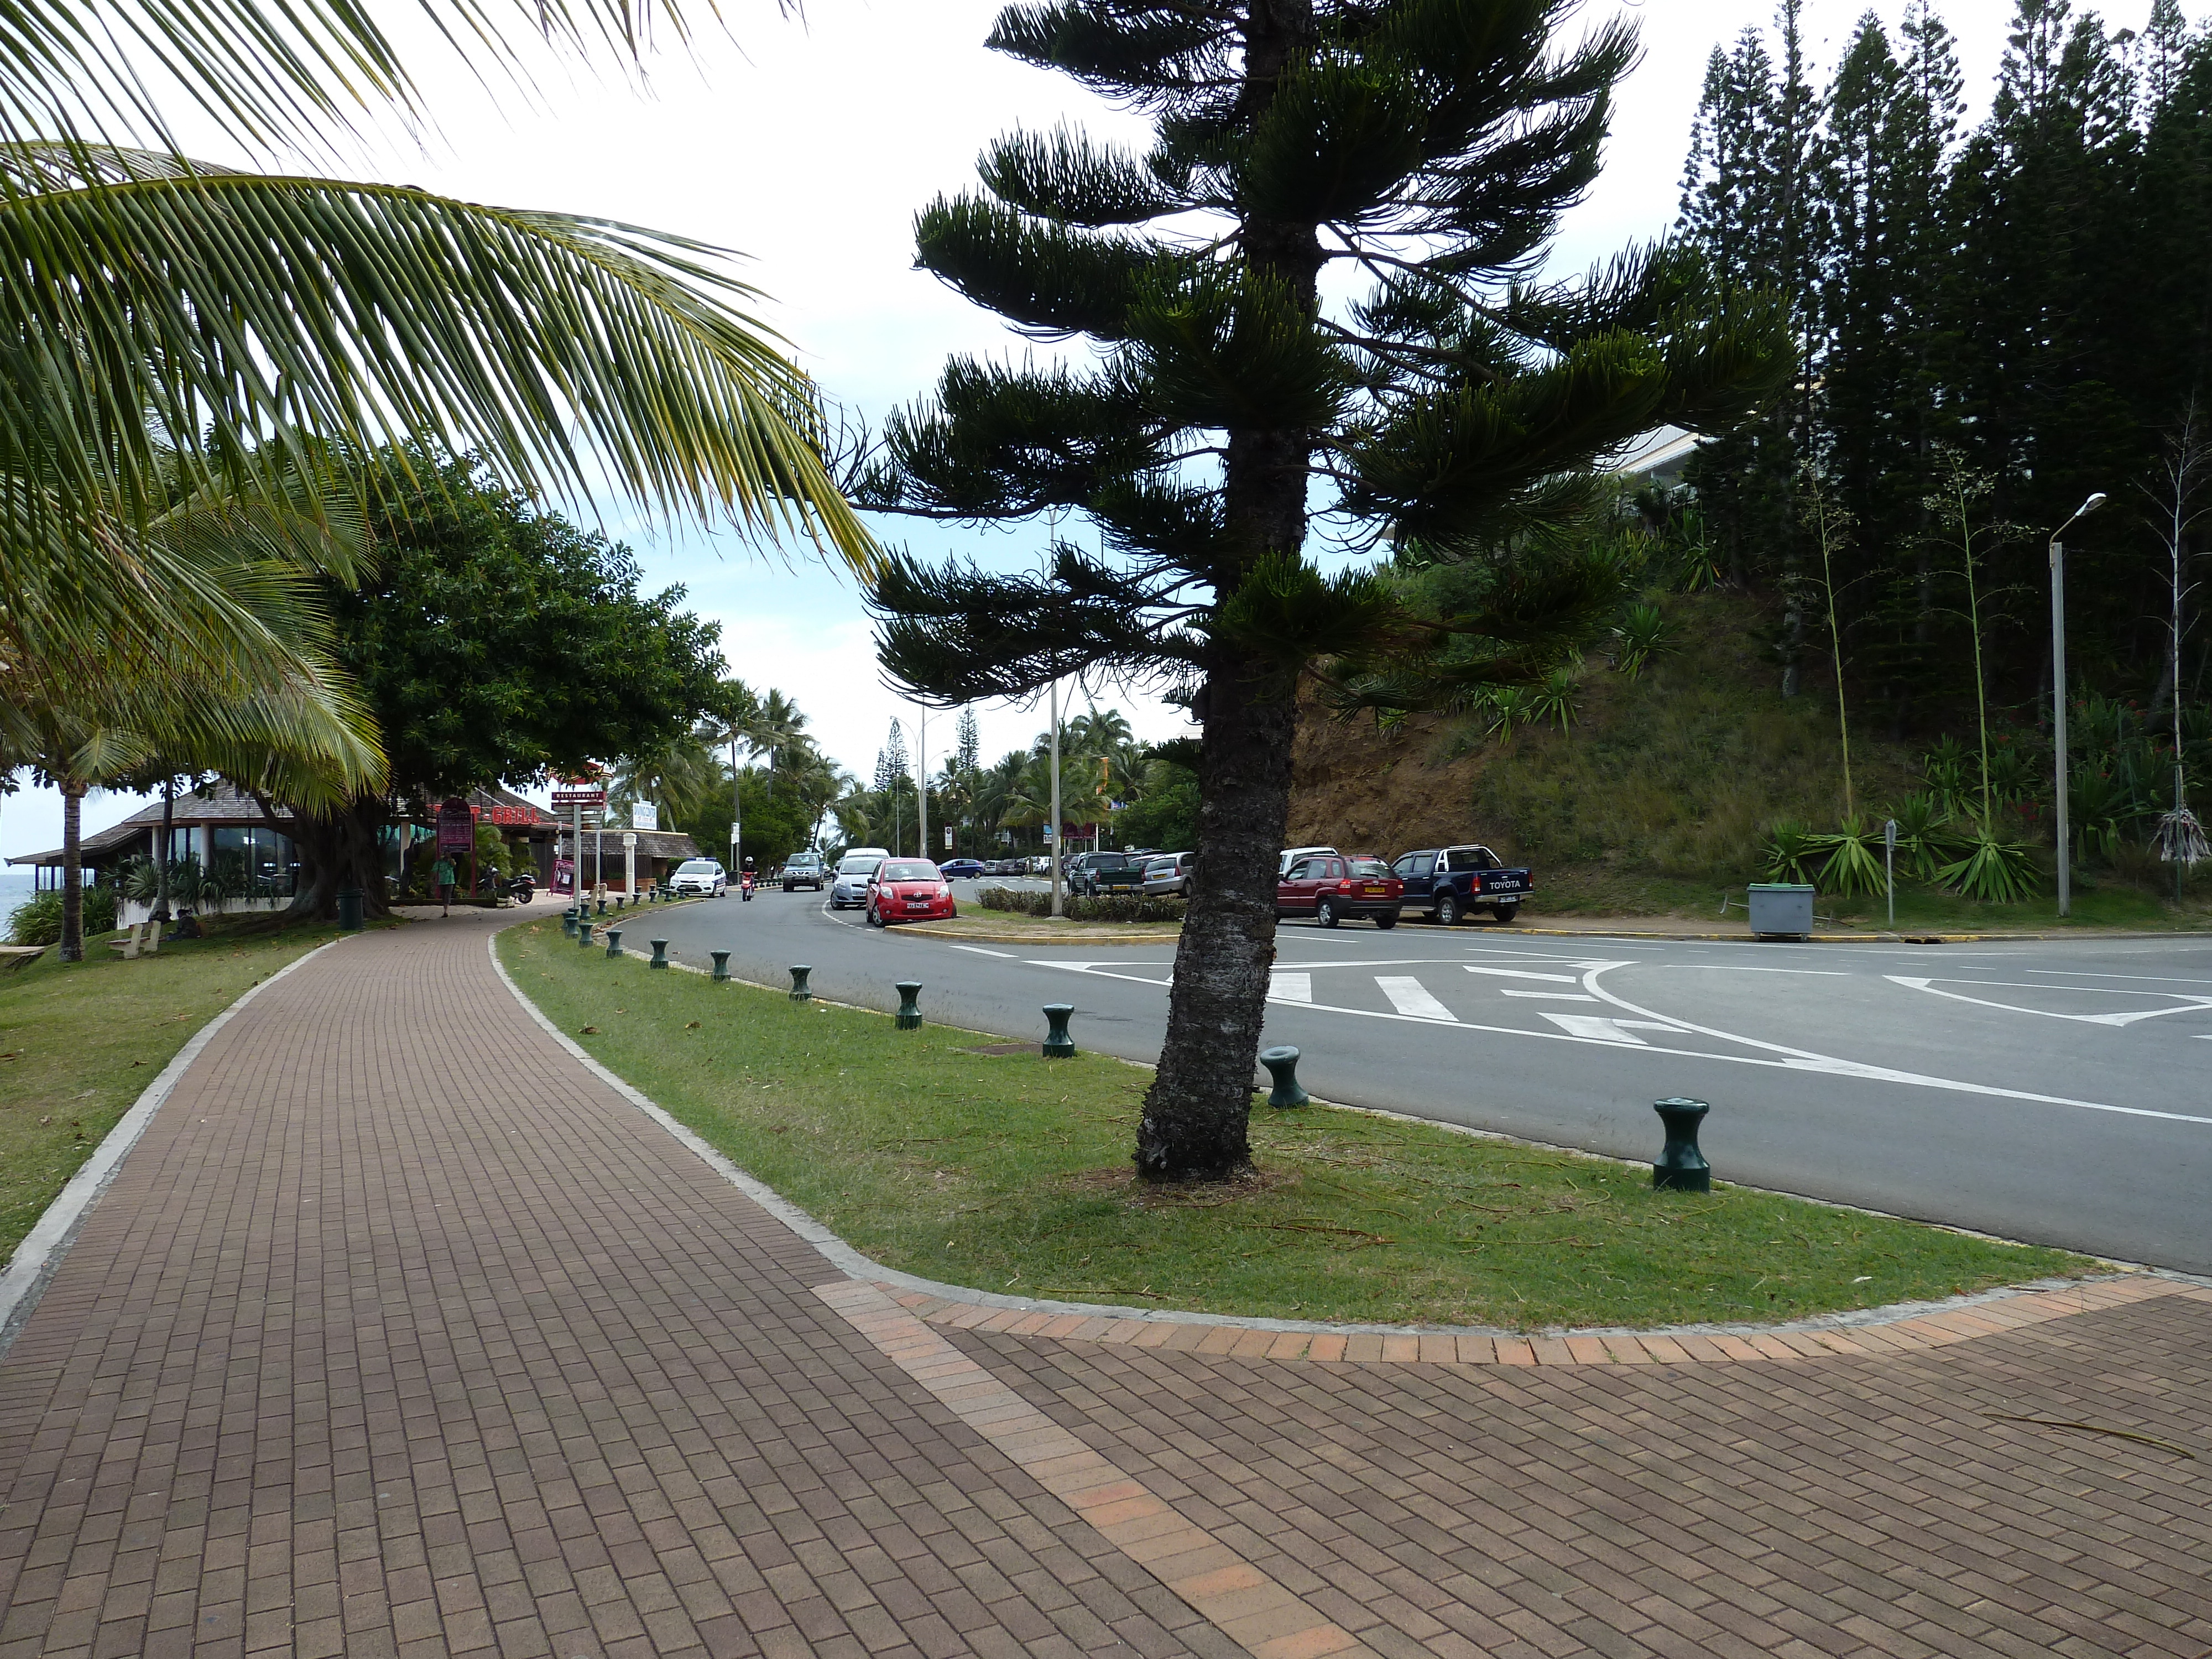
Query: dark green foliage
{"points": [[1099, 907], [497, 642], [38, 920]]}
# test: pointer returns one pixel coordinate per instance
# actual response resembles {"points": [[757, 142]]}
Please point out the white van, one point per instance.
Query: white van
{"points": [[1282, 867], [854, 872]]}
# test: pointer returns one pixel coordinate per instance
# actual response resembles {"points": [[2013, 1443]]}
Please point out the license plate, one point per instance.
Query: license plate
{"points": [[1377, 892]]}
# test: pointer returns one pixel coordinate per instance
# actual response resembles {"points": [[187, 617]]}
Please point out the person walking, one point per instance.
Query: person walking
{"points": [[441, 877]]}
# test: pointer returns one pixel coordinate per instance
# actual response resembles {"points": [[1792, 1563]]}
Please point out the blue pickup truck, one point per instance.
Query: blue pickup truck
{"points": [[1444, 883]]}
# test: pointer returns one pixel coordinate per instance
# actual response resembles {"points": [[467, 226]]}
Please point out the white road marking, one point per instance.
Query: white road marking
{"points": [[1290, 988], [1410, 997], [1731, 968], [2187, 1005], [1521, 973], [1594, 1028], [1549, 996], [2170, 979], [978, 950]]}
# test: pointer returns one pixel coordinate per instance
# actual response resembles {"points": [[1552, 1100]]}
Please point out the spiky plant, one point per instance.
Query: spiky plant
{"points": [[1428, 145]]}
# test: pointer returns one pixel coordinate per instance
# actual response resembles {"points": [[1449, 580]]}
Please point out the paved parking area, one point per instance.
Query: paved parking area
{"points": [[399, 1333]]}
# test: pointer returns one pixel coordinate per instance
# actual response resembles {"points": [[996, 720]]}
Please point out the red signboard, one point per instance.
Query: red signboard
{"points": [[580, 797], [512, 815], [457, 826]]}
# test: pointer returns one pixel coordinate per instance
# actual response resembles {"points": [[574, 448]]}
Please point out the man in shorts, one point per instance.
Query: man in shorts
{"points": [[441, 877]]}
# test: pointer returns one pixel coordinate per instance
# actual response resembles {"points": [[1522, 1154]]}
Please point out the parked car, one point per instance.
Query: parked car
{"points": [[909, 889], [1039, 864], [1169, 874], [961, 869], [1331, 887], [1446, 883], [700, 876], [856, 873], [803, 870], [1292, 854], [1093, 873]]}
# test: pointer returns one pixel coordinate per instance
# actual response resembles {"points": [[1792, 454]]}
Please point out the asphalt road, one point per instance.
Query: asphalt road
{"points": [[2051, 1091]]}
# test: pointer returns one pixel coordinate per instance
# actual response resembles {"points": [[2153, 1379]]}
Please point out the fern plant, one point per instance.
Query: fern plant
{"points": [[1555, 697], [1643, 633]]}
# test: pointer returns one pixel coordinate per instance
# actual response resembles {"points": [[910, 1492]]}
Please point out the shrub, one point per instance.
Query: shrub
{"points": [[1105, 906], [1642, 634], [39, 920], [1853, 868], [1792, 853], [1995, 871]]}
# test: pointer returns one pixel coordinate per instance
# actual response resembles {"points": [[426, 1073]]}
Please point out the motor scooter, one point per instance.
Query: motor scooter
{"points": [[522, 888], [745, 887]]}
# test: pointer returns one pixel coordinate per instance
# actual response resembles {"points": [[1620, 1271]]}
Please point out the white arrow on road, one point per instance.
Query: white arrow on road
{"points": [[2187, 1005]]}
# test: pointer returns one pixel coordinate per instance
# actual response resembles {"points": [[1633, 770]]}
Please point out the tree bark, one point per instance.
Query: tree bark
{"points": [[72, 946], [161, 856], [337, 849], [1195, 1121]]}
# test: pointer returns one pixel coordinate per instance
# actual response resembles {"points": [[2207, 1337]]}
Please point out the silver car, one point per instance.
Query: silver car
{"points": [[1169, 874], [855, 871]]}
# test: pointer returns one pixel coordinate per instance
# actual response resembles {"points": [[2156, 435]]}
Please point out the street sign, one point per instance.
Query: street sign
{"points": [[457, 826], [580, 795], [948, 838], [733, 835], [1889, 835]]}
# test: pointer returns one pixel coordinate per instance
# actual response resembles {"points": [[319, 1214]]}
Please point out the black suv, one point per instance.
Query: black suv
{"points": [[1093, 873], [803, 870]]}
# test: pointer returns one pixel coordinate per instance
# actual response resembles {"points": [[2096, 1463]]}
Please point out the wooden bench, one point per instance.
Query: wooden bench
{"points": [[138, 936], [20, 955]]}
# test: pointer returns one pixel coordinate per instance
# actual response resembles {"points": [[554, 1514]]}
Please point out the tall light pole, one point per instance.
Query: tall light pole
{"points": [[2058, 692], [922, 786], [1057, 907]]}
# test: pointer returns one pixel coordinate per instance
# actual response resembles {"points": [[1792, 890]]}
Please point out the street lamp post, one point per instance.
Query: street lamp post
{"points": [[2058, 692]]}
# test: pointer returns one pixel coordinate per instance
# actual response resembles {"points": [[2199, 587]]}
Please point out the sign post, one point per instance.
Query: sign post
{"points": [[629, 862], [1889, 866], [576, 795]]}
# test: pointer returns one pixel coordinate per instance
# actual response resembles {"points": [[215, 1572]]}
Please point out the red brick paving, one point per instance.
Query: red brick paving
{"points": [[400, 1333]]}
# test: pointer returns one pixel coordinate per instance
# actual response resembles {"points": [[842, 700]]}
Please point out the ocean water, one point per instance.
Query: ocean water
{"points": [[14, 890]]}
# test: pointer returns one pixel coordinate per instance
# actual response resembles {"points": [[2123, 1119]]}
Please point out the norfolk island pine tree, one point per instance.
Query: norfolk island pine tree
{"points": [[1427, 147]]}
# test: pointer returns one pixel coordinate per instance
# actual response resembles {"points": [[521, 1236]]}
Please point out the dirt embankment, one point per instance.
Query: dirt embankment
{"points": [[1369, 791]]}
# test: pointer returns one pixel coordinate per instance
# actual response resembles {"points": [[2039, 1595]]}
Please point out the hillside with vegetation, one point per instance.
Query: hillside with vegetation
{"points": [[1668, 789]]}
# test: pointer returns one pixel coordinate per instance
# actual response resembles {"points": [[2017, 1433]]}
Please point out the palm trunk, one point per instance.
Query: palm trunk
{"points": [[161, 860], [72, 947], [339, 849], [1195, 1123]]}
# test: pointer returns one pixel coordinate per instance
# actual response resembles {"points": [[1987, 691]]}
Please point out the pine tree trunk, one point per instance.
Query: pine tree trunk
{"points": [[1196, 1114], [72, 946]]}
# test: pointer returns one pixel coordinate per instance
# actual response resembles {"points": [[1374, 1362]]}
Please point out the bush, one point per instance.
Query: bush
{"points": [[1103, 907], [38, 921]]}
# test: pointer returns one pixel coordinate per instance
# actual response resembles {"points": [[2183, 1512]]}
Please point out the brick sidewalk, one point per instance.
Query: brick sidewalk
{"points": [[399, 1333]]}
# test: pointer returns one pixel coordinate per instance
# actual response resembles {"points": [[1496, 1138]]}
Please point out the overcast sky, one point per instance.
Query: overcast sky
{"points": [[808, 147]]}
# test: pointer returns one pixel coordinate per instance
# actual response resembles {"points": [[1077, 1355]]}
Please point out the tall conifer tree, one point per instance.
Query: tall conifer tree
{"points": [[1427, 146]]}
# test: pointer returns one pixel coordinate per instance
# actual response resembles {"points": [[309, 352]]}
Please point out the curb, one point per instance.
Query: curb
{"points": [[1895, 1328], [38, 1257]]}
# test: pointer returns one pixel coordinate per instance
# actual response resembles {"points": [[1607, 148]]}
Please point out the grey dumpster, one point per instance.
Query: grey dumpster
{"points": [[1781, 910]]}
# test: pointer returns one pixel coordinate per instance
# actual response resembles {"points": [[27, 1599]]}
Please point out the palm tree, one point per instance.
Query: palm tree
{"points": [[161, 312]]}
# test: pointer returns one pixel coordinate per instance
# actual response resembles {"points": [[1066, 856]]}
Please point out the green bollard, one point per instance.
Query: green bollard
{"points": [[1681, 1167], [1058, 1045], [659, 953], [800, 993], [614, 941], [568, 924], [1283, 1065], [721, 963], [584, 933], [910, 1008], [603, 907]]}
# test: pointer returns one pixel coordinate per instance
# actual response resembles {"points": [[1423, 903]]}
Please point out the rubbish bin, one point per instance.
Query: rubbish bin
{"points": [[349, 909], [1781, 910]]}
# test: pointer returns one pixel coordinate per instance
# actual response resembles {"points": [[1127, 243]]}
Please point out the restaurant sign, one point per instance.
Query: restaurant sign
{"points": [[457, 825]]}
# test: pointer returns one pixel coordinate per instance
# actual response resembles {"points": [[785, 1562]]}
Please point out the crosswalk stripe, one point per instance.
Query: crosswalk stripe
{"points": [[1290, 988], [1523, 973], [1549, 996], [1598, 1030], [1409, 996]]}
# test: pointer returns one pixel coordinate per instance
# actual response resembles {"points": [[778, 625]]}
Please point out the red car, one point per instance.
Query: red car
{"points": [[1328, 887], [909, 889]]}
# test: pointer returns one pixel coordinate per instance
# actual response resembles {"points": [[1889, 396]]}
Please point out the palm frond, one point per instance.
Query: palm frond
{"points": [[295, 311]]}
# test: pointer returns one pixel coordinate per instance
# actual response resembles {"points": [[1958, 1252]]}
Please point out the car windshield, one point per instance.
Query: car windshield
{"points": [[798, 858], [696, 867], [1373, 869], [909, 870], [858, 866]]}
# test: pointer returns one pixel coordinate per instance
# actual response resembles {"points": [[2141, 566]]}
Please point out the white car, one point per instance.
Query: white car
{"points": [[1291, 855], [856, 871], [700, 876]]}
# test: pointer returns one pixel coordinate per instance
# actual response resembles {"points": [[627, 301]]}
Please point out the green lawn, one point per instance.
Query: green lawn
{"points": [[1011, 1173], [79, 1041]]}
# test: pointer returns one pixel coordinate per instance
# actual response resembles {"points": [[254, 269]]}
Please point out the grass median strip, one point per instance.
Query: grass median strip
{"points": [[80, 1041], [1009, 1172]]}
